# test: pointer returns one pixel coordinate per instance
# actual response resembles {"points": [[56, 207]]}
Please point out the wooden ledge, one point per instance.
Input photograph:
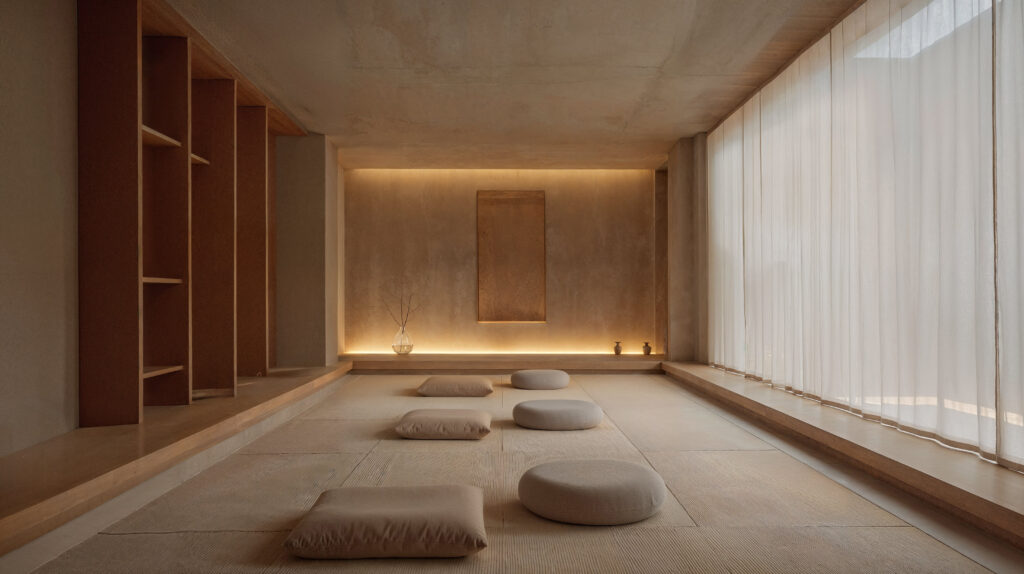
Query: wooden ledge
{"points": [[986, 495], [493, 363], [49, 484]]}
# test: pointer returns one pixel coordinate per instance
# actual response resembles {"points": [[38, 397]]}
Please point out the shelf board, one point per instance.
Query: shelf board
{"points": [[153, 138], [212, 393], [150, 372], [196, 160], [161, 281]]}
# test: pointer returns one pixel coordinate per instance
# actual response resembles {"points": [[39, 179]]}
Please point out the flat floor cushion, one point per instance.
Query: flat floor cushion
{"points": [[445, 424], [597, 492], [540, 379], [557, 414], [456, 386], [392, 522]]}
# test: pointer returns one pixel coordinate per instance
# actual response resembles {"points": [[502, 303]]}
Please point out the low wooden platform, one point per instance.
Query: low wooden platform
{"points": [[47, 485], [453, 363], [986, 495]]}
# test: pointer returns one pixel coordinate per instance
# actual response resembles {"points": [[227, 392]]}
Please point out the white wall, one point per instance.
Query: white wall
{"points": [[38, 221]]}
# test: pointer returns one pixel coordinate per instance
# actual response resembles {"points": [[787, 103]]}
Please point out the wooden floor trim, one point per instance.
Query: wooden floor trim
{"points": [[988, 496], [23, 522], [502, 363]]}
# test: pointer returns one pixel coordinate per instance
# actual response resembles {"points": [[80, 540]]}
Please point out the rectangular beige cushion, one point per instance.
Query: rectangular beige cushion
{"points": [[454, 424], [392, 522], [456, 386]]}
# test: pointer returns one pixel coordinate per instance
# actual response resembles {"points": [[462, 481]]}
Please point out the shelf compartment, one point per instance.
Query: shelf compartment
{"points": [[153, 138], [212, 278], [149, 372], [162, 281], [251, 247], [196, 160]]}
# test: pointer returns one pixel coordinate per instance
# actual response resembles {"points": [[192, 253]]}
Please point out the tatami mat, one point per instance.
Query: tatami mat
{"points": [[227, 552], [762, 488], [735, 504], [319, 436], [245, 492], [791, 550]]}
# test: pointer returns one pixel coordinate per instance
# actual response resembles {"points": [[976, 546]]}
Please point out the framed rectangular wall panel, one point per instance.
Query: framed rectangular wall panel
{"points": [[511, 262]]}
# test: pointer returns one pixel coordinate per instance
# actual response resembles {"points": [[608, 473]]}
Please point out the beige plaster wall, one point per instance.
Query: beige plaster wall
{"points": [[340, 227], [307, 251], [687, 250], [331, 261], [421, 225], [38, 221]]}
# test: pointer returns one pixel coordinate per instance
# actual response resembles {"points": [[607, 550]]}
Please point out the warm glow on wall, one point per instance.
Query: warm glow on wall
{"points": [[420, 227], [449, 351]]}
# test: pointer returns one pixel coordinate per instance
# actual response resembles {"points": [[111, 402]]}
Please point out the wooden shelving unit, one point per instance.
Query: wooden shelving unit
{"points": [[161, 258]]}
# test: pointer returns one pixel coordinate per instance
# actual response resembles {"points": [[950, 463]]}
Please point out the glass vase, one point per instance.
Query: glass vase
{"points": [[402, 343]]}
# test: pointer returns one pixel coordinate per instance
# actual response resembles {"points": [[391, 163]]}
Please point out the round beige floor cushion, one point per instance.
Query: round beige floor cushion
{"points": [[597, 492], [540, 379], [557, 415]]}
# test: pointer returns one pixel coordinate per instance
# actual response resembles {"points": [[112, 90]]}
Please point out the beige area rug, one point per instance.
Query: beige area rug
{"points": [[736, 503]]}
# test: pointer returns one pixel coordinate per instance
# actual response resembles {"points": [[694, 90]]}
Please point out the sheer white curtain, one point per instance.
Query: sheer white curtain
{"points": [[941, 55], [867, 228], [1010, 219], [785, 202], [754, 246], [725, 210]]}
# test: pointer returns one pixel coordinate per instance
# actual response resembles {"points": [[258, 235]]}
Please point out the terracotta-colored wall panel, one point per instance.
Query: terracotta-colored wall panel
{"points": [[420, 226], [510, 256]]}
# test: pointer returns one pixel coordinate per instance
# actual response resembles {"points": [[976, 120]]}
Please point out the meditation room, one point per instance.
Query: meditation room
{"points": [[511, 286]]}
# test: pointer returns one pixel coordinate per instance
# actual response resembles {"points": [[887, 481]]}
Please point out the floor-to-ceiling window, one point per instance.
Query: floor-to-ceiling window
{"points": [[865, 211]]}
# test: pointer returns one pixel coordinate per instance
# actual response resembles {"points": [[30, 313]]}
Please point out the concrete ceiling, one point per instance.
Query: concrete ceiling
{"points": [[509, 83]]}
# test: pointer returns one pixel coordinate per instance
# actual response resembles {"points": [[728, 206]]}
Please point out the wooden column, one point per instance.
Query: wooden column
{"points": [[109, 212], [253, 302], [213, 238]]}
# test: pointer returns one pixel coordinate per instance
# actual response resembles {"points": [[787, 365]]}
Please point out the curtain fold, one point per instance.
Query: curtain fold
{"points": [[725, 213], [1009, 80], [856, 209]]}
